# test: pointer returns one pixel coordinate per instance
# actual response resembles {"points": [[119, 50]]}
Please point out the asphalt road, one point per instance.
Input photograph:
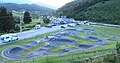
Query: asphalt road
{"points": [[102, 24], [43, 30], [32, 33]]}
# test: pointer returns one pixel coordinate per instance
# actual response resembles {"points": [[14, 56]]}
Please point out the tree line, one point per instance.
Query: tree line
{"points": [[104, 11], [8, 23], [11, 24]]}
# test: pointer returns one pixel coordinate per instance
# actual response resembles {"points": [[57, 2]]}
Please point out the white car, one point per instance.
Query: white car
{"points": [[71, 25], [37, 27], [86, 22], [8, 37], [48, 26]]}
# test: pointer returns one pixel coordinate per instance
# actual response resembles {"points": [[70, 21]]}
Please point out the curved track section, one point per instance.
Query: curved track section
{"points": [[14, 52], [98, 41]]}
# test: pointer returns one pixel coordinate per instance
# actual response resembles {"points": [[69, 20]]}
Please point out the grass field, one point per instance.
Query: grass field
{"points": [[31, 49], [73, 55], [18, 14], [81, 40], [21, 42], [61, 46], [30, 25]]}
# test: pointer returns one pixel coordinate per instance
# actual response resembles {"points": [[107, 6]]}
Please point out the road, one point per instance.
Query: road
{"points": [[102, 24], [32, 33], [43, 30]]}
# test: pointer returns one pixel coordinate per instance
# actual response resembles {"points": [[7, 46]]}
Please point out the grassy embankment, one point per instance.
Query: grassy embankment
{"points": [[21, 42], [79, 54]]}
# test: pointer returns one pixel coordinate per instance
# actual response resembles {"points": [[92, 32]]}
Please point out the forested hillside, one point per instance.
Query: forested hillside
{"points": [[107, 11], [27, 7]]}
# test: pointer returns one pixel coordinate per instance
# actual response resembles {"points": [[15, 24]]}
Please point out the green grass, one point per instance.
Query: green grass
{"points": [[110, 31], [61, 46], [22, 42], [18, 14], [32, 24], [81, 40], [73, 55], [55, 49], [96, 10], [82, 33], [31, 49]]}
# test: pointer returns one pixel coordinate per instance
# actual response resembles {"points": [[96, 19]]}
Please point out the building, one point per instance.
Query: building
{"points": [[62, 20]]}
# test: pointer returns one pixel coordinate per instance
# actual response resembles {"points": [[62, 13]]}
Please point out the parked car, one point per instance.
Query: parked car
{"points": [[85, 22], [71, 25], [8, 37], [37, 27], [62, 26], [48, 26], [78, 23], [54, 25], [63, 22]]}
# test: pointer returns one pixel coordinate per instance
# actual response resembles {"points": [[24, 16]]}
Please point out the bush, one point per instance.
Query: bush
{"points": [[118, 48], [51, 60], [46, 20], [12, 31], [111, 59], [17, 28], [25, 29], [29, 26], [38, 23]]}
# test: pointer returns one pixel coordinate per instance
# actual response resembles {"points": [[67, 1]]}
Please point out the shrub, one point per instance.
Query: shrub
{"points": [[46, 20], [118, 48], [12, 31]]}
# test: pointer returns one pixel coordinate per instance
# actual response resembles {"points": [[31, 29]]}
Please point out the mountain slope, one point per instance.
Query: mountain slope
{"points": [[107, 11], [28, 7]]}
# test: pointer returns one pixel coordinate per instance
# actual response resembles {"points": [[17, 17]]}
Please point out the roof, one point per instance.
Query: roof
{"points": [[7, 35]]}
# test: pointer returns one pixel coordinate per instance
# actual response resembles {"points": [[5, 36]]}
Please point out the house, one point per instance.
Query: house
{"points": [[57, 21], [62, 20], [14, 11], [68, 20]]}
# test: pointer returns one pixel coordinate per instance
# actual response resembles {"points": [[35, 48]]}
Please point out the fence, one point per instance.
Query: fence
{"points": [[64, 58]]}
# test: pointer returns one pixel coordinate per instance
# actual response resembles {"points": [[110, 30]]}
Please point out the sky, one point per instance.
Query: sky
{"points": [[47, 3]]}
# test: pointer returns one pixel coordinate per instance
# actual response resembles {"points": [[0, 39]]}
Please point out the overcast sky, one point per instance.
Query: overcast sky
{"points": [[47, 3]]}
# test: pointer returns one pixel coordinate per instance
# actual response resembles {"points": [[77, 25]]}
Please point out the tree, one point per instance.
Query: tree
{"points": [[118, 47], [6, 20], [46, 20], [27, 18]]}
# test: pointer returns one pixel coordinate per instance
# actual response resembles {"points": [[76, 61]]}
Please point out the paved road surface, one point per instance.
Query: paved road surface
{"points": [[43, 30], [32, 33], [102, 24]]}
